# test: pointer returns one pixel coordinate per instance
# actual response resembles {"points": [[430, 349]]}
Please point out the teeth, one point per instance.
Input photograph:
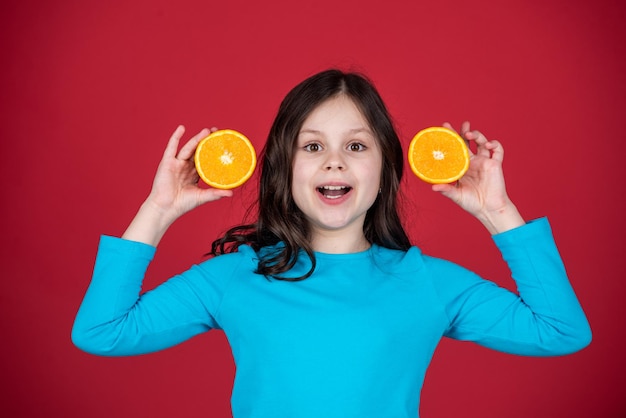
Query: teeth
{"points": [[333, 187]]}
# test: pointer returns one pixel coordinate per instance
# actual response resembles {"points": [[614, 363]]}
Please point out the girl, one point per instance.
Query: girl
{"points": [[327, 307]]}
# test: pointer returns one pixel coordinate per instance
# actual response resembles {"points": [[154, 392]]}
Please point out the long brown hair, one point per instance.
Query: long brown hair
{"points": [[279, 219]]}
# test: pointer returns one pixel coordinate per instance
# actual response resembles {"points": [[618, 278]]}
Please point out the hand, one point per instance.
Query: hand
{"points": [[174, 191], [175, 188], [481, 191]]}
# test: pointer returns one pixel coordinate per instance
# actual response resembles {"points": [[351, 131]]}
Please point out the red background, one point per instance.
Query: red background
{"points": [[90, 94]]}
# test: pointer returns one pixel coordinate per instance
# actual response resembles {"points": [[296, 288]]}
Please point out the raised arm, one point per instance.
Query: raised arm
{"points": [[114, 318], [546, 317]]}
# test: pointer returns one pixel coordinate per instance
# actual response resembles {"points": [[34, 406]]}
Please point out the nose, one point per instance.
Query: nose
{"points": [[334, 161]]}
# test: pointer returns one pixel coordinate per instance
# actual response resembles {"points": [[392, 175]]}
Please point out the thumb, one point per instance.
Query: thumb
{"points": [[448, 190], [208, 195]]}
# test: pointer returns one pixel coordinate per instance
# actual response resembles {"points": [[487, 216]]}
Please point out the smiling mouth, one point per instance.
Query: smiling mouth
{"points": [[333, 192]]}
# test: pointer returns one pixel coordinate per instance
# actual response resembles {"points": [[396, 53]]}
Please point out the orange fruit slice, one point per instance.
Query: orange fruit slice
{"points": [[438, 155], [225, 159]]}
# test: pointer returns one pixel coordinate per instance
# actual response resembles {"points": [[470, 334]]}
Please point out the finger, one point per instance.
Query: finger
{"points": [[477, 137], [210, 195], [187, 151], [172, 144], [465, 128], [497, 151], [448, 125], [481, 141], [448, 190]]}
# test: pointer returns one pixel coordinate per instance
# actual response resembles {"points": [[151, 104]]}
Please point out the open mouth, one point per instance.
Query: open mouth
{"points": [[333, 192]]}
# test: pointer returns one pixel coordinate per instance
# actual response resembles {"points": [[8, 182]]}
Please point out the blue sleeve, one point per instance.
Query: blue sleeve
{"points": [[544, 319], [115, 319]]}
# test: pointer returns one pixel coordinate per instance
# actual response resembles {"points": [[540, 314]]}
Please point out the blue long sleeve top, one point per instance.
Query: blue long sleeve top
{"points": [[354, 339]]}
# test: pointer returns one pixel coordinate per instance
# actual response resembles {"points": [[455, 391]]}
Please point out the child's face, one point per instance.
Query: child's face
{"points": [[336, 168]]}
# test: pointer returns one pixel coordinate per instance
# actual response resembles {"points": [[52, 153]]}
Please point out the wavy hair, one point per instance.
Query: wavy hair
{"points": [[279, 219]]}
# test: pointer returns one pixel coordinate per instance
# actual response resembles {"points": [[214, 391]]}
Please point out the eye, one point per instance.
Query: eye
{"points": [[356, 147], [313, 147]]}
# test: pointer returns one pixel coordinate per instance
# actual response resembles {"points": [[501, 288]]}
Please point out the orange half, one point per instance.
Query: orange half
{"points": [[438, 155], [225, 159]]}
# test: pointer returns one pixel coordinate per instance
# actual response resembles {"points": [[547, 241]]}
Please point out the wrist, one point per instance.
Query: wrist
{"points": [[149, 225], [159, 216], [501, 220]]}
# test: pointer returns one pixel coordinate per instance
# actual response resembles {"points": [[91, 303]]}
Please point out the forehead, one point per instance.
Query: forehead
{"points": [[337, 113]]}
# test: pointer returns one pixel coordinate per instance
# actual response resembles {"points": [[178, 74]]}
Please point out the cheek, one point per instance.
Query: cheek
{"points": [[303, 170], [298, 176], [299, 179], [374, 174]]}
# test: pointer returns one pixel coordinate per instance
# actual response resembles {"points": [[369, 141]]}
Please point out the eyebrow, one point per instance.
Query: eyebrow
{"points": [[350, 131]]}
